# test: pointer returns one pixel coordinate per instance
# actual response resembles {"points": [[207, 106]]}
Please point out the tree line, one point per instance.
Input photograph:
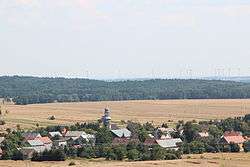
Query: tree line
{"points": [[31, 90]]}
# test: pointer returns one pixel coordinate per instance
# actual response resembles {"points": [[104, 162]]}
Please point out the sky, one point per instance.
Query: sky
{"points": [[125, 38]]}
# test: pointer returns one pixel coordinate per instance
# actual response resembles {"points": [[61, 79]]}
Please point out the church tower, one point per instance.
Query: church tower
{"points": [[106, 119]]}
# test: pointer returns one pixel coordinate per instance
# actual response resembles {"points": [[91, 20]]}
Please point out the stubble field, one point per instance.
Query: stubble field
{"points": [[156, 111]]}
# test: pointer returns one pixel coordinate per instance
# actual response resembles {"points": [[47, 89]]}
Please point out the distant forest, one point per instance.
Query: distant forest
{"points": [[31, 90]]}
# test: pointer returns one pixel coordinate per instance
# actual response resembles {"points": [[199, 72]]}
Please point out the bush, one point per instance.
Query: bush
{"points": [[170, 156], [52, 117], [133, 154], [2, 122], [111, 155], [53, 155], [226, 148], [120, 152]]}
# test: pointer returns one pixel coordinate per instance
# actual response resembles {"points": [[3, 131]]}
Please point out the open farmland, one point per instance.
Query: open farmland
{"points": [[208, 160], [157, 111]]}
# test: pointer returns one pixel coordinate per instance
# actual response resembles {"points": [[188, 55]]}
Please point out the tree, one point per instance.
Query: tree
{"points": [[143, 135], [197, 147], [86, 152], [190, 131], [234, 147], [17, 155], [120, 152], [157, 153], [103, 136], [246, 146], [247, 118]]}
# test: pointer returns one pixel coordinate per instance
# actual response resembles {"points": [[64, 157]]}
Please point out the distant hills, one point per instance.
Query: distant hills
{"points": [[30, 90]]}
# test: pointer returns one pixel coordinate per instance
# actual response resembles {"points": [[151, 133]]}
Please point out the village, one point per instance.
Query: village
{"points": [[133, 141]]}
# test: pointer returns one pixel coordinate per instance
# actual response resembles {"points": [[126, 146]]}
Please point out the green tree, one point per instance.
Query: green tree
{"points": [[246, 146], [120, 152], [103, 136], [157, 153], [197, 147], [234, 147]]}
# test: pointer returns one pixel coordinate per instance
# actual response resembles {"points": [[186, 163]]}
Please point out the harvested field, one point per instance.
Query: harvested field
{"points": [[143, 111], [208, 160]]}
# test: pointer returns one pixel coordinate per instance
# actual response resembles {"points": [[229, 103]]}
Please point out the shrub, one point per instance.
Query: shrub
{"points": [[52, 155], [2, 122], [120, 152], [133, 154], [52, 117], [170, 156]]}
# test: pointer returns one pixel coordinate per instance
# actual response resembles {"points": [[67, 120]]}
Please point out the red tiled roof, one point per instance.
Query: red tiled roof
{"points": [[232, 133], [44, 140], [234, 139]]}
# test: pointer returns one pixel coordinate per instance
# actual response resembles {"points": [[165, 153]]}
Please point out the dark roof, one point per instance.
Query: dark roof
{"points": [[114, 127], [123, 141], [150, 142], [30, 135]]}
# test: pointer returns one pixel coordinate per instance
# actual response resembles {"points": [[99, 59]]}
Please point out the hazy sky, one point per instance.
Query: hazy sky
{"points": [[124, 38]]}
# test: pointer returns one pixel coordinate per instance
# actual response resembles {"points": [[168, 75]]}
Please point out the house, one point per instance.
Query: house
{"points": [[54, 134], [30, 135], [233, 137], [1, 152], [1, 140], [46, 142], [114, 127], [74, 134], [37, 145], [163, 133], [27, 152], [203, 134], [60, 143], [121, 133], [169, 143], [88, 138]]}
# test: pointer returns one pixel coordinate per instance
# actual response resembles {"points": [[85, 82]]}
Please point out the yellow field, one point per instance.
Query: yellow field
{"points": [[205, 160], [143, 111]]}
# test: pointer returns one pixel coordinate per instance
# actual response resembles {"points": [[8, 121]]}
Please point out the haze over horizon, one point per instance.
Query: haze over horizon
{"points": [[124, 39]]}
